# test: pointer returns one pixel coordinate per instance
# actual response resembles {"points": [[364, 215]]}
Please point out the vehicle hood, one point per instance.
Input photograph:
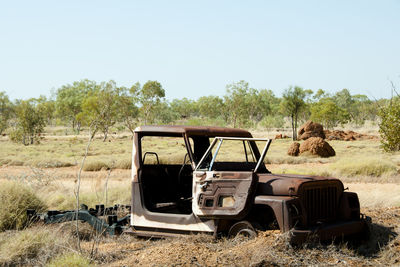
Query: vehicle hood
{"points": [[290, 184]]}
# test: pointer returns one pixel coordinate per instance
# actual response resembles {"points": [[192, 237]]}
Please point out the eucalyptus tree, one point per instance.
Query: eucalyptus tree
{"points": [[149, 95], [69, 99], [210, 106], [293, 102], [328, 113], [100, 109], [30, 121], [239, 103], [6, 110]]}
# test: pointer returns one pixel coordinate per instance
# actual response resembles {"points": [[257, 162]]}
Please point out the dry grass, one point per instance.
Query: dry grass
{"points": [[15, 199], [70, 259], [125, 164], [94, 166], [62, 152], [364, 166], [376, 195], [34, 246]]}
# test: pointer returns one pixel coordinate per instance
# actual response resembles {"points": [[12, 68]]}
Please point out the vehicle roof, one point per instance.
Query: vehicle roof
{"points": [[192, 130]]}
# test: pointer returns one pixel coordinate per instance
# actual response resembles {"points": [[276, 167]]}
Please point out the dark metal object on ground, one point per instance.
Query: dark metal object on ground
{"points": [[109, 224]]}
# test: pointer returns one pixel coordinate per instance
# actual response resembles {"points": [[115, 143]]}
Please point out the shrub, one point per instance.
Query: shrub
{"points": [[389, 128], [124, 164], [4, 161], [16, 135], [16, 163], [70, 260], [52, 164], [94, 166], [15, 199], [29, 247]]}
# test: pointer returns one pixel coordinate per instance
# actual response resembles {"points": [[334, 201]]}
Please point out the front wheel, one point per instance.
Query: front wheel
{"points": [[243, 229]]}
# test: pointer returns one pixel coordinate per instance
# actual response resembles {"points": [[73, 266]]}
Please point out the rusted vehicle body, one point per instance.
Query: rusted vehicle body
{"points": [[235, 194], [213, 180]]}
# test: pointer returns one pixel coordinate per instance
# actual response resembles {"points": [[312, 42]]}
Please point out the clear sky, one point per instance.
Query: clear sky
{"points": [[195, 48]]}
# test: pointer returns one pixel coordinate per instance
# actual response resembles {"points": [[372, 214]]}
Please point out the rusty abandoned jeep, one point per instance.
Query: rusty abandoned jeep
{"points": [[213, 180]]}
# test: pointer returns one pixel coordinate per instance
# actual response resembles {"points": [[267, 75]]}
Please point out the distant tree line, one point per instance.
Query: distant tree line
{"points": [[102, 106]]}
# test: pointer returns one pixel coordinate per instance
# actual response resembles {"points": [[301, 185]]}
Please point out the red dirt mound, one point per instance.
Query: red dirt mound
{"points": [[280, 136], [294, 149], [310, 129], [347, 135], [317, 146]]}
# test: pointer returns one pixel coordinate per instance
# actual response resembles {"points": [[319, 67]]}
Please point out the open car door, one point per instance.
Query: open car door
{"points": [[224, 189]]}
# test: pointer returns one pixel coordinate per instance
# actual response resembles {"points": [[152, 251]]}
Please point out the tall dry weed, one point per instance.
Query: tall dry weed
{"points": [[34, 246], [15, 199]]}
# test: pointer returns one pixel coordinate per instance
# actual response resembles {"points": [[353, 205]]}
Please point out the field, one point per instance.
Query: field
{"points": [[49, 169]]}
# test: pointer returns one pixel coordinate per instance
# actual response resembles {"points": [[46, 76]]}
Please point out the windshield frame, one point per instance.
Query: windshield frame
{"points": [[221, 139]]}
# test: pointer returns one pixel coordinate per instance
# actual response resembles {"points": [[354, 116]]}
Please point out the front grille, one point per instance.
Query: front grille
{"points": [[320, 204]]}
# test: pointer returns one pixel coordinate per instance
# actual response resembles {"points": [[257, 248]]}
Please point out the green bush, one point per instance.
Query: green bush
{"points": [[389, 128], [16, 135], [15, 199]]}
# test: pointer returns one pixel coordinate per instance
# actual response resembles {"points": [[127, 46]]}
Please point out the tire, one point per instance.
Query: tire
{"points": [[242, 229]]}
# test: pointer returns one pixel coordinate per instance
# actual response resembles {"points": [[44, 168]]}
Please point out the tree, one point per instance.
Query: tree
{"points": [[100, 107], [70, 98], [210, 106], [164, 112], [48, 108], [363, 109], [320, 94], [6, 110], [127, 109], [31, 121], [293, 102], [186, 108], [256, 107], [389, 128], [328, 113], [238, 100], [149, 96], [269, 103]]}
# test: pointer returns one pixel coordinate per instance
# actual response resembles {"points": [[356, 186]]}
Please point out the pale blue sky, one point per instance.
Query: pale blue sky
{"points": [[196, 48]]}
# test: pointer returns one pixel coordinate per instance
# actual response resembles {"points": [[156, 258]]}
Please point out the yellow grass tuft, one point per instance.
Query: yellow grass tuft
{"points": [[95, 166], [30, 247], [70, 260], [15, 199], [367, 166]]}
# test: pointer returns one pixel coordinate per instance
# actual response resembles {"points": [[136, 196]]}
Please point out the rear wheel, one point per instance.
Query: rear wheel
{"points": [[242, 229]]}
